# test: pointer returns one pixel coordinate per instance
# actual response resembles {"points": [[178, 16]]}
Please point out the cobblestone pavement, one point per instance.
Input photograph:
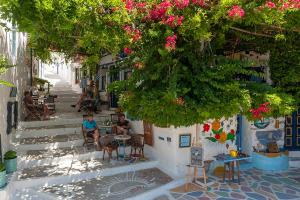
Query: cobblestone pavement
{"points": [[117, 187], [255, 185]]}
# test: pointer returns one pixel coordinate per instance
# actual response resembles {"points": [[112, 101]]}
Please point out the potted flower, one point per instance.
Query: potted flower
{"points": [[258, 114], [2, 175], [10, 161]]}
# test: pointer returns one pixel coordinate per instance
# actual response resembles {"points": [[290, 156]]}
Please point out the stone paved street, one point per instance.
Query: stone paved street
{"points": [[117, 187], [255, 185]]}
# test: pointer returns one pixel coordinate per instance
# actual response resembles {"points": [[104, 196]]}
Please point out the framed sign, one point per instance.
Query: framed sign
{"points": [[184, 140], [197, 156]]}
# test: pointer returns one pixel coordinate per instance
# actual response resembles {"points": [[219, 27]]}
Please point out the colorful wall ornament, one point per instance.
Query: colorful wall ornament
{"points": [[217, 133]]}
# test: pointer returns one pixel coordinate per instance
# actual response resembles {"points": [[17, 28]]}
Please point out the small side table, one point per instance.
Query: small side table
{"points": [[124, 139]]}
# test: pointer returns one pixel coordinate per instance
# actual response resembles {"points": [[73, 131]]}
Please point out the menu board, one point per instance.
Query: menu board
{"points": [[196, 156]]}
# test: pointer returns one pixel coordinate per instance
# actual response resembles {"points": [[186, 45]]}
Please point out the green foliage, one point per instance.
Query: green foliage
{"points": [[10, 155], [2, 167], [40, 81], [187, 85], [4, 65]]}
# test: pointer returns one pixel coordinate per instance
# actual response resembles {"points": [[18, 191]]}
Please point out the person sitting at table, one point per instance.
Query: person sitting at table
{"points": [[40, 108], [91, 129], [122, 125], [86, 99]]}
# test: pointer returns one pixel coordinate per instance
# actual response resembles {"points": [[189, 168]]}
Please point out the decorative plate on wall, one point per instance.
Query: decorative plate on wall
{"points": [[261, 124]]}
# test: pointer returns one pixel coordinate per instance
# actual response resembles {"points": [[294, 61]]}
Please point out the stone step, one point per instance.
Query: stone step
{"points": [[126, 182], [63, 119], [294, 162], [33, 158], [294, 154], [48, 142]]}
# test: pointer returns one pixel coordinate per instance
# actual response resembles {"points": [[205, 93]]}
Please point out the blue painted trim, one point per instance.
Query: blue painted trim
{"points": [[239, 133]]}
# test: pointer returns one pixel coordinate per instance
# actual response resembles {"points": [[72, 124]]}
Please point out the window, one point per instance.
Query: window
{"points": [[103, 83]]}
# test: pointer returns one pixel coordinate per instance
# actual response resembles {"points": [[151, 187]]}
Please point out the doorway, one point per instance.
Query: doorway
{"points": [[292, 131]]}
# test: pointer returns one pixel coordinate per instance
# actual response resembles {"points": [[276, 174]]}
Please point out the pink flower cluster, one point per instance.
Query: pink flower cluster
{"points": [[181, 4], [127, 50], [159, 11], [129, 4], [263, 108], [270, 4], [171, 42], [199, 2], [173, 21], [291, 4], [236, 11], [134, 33]]}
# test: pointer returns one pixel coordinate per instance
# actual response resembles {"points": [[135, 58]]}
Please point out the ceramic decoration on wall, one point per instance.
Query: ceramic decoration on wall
{"points": [[219, 131]]}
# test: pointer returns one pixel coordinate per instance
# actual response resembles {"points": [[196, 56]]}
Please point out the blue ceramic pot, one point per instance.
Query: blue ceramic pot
{"points": [[3, 180], [10, 165], [261, 124]]}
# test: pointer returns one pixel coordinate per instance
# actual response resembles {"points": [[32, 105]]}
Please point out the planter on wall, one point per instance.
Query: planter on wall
{"points": [[10, 161], [277, 123], [261, 124], [3, 180], [11, 165]]}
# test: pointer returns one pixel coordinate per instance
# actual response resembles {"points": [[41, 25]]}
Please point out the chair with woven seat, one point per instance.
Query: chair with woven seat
{"points": [[108, 146], [137, 143]]}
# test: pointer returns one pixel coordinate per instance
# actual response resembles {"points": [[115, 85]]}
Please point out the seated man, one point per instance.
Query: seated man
{"points": [[91, 128], [122, 125], [41, 109], [87, 99]]}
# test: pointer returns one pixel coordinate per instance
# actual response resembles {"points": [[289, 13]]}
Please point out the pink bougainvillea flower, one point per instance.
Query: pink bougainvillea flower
{"points": [[258, 112], [173, 21], [206, 127], [270, 4], [129, 5], [127, 50], [137, 35], [171, 42], [236, 11], [181, 4], [141, 5], [198, 2], [159, 11]]}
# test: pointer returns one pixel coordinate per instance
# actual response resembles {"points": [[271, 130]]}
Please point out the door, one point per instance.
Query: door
{"points": [[292, 131], [148, 133]]}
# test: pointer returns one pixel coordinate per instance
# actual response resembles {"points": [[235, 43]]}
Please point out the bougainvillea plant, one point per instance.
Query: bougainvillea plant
{"points": [[182, 52]]}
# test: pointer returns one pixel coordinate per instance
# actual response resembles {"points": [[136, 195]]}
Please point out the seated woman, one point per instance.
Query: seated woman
{"points": [[122, 125], [92, 130], [41, 109]]}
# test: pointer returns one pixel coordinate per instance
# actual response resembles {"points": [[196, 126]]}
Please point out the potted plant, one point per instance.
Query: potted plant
{"points": [[2, 175], [10, 161]]}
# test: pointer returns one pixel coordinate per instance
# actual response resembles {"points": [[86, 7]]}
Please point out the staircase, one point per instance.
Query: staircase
{"points": [[53, 164]]}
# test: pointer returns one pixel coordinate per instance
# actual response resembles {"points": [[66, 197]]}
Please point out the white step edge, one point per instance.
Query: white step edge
{"points": [[150, 195], [32, 194], [46, 132], [25, 163], [294, 154], [53, 145], [295, 164], [65, 179]]}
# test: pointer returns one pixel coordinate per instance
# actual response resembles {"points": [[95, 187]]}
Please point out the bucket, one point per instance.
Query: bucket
{"points": [[2, 179], [10, 165]]}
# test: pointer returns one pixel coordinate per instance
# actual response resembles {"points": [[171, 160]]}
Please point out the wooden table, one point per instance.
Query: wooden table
{"points": [[230, 162]]}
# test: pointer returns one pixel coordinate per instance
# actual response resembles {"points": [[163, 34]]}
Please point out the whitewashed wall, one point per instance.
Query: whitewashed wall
{"points": [[173, 159], [18, 75]]}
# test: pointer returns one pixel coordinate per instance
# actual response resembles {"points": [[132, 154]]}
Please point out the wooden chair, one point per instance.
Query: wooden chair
{"points": [[32, 114], [137, 143], [87, 138], [50, 103], [108, 146]]}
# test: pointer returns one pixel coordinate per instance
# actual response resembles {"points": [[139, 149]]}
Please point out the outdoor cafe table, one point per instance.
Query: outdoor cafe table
{"points": [[231, 162], [123, 139]]}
